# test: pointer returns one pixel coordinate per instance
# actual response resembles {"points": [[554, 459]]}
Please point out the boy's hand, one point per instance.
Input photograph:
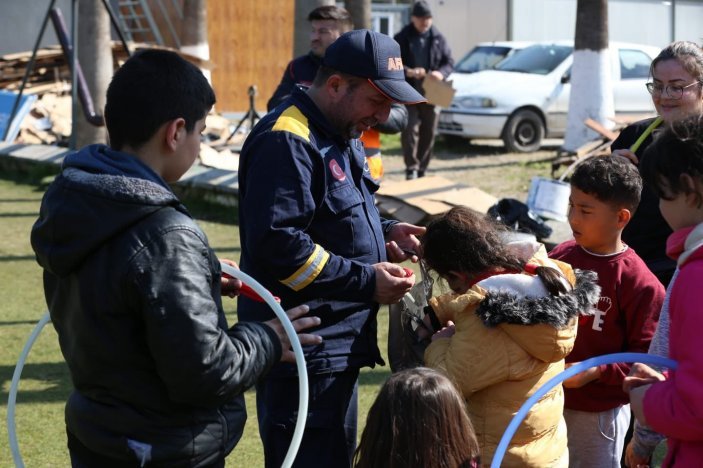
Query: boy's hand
{"points": [[641, 374], [299, 323], [582, 378], [230, 286]]}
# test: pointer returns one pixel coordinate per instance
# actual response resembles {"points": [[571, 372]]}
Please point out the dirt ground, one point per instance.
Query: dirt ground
{"points": [[481, 163], [485, 164]]}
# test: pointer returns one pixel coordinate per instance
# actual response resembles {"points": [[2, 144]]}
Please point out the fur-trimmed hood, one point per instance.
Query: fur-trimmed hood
{"points": [[549, 319], [541, 324], [502, 305], [510, 337]]}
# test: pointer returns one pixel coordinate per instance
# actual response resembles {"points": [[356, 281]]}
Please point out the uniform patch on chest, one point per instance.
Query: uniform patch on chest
{"points": [[336, 170]]}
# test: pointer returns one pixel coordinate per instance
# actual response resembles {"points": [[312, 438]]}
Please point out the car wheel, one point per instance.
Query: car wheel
{"points": [[524, 132]]}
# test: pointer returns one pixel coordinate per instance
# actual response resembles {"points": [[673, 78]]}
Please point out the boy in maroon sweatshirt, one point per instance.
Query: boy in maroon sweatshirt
{"points": [[605, 192]]}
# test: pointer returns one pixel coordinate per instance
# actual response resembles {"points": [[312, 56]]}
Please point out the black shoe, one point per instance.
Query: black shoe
{"points": [[420, 174], [410, 174]]}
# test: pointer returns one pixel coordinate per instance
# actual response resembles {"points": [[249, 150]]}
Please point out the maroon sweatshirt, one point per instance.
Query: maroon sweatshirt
{"points": [[624, 321]]}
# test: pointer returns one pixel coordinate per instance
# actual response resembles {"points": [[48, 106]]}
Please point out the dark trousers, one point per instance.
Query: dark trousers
{"points": [[330, 430], [418, 136]]}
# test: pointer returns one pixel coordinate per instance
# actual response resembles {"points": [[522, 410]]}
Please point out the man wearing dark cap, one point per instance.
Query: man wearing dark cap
{"points": [[426, 55], [327, 23], [311, 234]]}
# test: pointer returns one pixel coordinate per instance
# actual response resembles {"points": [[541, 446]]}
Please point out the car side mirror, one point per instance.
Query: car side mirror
{"points": [[565, 78]]}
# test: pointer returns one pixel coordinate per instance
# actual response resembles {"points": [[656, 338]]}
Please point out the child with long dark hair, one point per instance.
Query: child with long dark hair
{"points": [[418, 420], [507, 327], [672, 406]]}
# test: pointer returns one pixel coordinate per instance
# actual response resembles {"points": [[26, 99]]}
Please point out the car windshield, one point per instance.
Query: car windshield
{"points": [[536, 59], [482, 58]]}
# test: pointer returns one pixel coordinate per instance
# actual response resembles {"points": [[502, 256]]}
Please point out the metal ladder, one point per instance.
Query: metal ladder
{"points": [[136, 20]]}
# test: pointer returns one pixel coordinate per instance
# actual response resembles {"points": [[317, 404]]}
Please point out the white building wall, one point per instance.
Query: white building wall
{"points": [[543, 20], [466, 22], [640, 21], [689, 21]]}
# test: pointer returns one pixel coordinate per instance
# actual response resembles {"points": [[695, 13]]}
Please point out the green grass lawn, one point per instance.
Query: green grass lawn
{"points": [[45, 382]]}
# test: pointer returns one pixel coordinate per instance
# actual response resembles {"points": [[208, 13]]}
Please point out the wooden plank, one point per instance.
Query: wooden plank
{"points": [[600, 129], [588, 147], [251, 42]]}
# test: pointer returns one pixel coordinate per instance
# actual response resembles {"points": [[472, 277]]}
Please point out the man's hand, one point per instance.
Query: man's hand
{"points": [[392, 283], [299, 324], [582, 378], [417, 73], [230, 286], [437, 75], [403, 243], [641, 374]]}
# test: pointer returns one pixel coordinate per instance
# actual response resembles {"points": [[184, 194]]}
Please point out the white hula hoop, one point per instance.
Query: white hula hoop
{"points": [[12, 397], [277, 309], [299, 359]]}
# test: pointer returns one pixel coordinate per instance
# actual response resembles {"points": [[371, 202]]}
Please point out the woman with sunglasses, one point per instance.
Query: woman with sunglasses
{"points": [[677, 92]]}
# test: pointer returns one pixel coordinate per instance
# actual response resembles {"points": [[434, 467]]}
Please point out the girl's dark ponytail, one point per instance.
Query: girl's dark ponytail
{"points": [[553, 279]]}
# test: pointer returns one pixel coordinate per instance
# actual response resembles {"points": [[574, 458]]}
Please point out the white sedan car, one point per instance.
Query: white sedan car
{"points": [[525, 98]]}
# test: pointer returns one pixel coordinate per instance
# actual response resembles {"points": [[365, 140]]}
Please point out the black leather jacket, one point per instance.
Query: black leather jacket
{"points": [[134, 294]]}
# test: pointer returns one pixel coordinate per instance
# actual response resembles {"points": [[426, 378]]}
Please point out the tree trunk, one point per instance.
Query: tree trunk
{"points": [[301, 34], [591, 83], [360, 11], [95, 58], [194, 32]]}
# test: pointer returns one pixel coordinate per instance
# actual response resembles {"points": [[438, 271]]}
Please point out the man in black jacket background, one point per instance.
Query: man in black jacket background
{"points": [[426, 55]]}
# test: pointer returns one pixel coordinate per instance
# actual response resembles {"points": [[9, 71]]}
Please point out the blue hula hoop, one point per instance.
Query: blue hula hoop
{"points": [[559, 378]]}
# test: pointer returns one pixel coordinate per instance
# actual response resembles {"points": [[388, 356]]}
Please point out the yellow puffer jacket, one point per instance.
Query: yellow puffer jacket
{"points": [[511, 337]]}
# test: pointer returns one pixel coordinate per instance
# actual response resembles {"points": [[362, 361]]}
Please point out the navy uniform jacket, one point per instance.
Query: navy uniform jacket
{"points": [[310, 231]]}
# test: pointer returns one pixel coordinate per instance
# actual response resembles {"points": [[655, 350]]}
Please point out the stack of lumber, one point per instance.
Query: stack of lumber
{"points": [[49, 120], [51, 66]]}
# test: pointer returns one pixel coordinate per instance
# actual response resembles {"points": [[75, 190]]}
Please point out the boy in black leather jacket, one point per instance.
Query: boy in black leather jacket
{"points": [[135, 290]]}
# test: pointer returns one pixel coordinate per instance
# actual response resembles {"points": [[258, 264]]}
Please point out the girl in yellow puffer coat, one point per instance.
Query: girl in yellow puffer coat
{"points": [[505, 330]]}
